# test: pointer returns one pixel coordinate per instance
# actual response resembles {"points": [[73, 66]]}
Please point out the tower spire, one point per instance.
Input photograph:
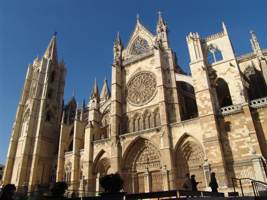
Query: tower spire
{"points": [[224, 28], [105, 93], [118, 39], [51, 50], [137, 18], [117, 50], [162, 32], [95, 91]]}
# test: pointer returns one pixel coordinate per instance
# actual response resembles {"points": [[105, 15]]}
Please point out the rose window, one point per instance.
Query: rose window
{"points": [[141, 88]]}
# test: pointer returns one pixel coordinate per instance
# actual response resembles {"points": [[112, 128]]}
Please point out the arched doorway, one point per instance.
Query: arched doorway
{"points": [[142, 167], [223, 93], [189, 158], [100, 169]]}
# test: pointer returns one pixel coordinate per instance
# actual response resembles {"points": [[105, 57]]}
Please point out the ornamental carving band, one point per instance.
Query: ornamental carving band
{"points": [[141, 88]]}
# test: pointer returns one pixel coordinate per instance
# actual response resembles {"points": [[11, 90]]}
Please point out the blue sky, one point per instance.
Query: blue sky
{"points": [[86, 31]]}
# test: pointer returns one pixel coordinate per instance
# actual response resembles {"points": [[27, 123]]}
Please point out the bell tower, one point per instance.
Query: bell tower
{"points": [[35, 131]]}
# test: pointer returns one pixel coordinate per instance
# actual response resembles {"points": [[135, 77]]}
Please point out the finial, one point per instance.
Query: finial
{"points": [[159, 14], [55, 34], [224, 28], [252, 33], [118, 38], [73, 92], [137, 18]]}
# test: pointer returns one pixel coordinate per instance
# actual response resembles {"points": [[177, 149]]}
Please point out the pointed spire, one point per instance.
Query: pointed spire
{"points": [[137, 18], [117, 50], [161, 25], [118, 39], [51, 51], [105, 93], [224, 28], [254, 43], [95, 91], [160, 19]]}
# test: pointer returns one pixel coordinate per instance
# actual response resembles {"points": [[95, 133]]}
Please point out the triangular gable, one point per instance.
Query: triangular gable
{"points": [[142, 33]]}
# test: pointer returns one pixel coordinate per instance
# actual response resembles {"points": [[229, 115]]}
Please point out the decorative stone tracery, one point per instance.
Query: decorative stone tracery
{"points": [[142, 167], [141, 88], [139, 46], [143, 155]]}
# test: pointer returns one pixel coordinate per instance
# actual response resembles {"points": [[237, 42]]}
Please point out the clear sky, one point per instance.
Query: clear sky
{"points": [[86, 31]]}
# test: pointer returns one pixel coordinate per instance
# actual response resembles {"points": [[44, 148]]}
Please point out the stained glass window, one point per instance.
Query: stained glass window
{"points": [[140, 46]]}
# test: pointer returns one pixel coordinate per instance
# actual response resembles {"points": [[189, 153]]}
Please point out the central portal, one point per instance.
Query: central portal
{"points": [[142, 167]]}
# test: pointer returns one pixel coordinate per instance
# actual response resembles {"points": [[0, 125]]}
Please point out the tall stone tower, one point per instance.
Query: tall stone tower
{"points": [[35, 132]]}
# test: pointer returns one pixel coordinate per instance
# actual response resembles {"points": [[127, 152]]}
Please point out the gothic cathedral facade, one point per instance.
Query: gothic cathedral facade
{"points": [[157, 123]]}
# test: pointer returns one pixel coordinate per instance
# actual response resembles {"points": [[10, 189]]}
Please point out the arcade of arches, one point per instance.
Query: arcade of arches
{"points": [[143, 169]]}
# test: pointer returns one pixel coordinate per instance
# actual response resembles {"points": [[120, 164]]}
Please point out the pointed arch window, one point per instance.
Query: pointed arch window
{"points": [[157, 118], [70, 148], [223, 93], [256, 86], [48, 116], [52, 76], [214, 54]]}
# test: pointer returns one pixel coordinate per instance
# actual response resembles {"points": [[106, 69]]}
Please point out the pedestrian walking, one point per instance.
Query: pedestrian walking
{"points": [[213, 183]]}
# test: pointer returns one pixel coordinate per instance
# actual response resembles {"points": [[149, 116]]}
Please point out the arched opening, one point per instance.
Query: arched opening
{"points": [[141, 158], [52, 76], [101, 167], [256, 85], [67, 174], [70, 147], [223, 93], [157, 121], [214, 54], [189, 158], [187, 99], [49, 116]]}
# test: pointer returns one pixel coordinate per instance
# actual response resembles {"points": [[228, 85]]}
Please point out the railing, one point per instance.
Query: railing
{"points": [[257, 103], [258, 187], [231, 109]]}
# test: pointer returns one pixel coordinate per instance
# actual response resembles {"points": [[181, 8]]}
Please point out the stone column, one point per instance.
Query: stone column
{"points": [[165, 179], [147, 181], [88, 157], [206, 169]]}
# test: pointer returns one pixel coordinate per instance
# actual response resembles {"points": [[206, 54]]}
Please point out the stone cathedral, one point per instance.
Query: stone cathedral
{"points": [[156, 122]]}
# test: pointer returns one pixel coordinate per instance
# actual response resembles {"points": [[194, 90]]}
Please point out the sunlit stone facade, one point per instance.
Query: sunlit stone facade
{"points": [[157, 123]]}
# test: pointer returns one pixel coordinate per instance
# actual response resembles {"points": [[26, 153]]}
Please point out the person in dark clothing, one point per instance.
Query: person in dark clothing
{"points": [[194, 183], [213, 183], [8, 192], [187, 184]]}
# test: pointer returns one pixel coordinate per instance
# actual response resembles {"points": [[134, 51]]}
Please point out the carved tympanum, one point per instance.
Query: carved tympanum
{"points": [[141, 88]]}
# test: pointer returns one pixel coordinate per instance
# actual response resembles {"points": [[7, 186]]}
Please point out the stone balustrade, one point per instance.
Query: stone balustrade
{"points": [[228, 110], [258, 103]]}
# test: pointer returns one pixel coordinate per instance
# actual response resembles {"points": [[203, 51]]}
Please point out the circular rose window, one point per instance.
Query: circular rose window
{"points": [[141, 88]]}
